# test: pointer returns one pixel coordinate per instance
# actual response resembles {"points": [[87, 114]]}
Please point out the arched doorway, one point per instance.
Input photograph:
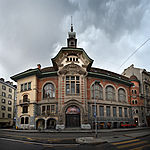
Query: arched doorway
{"points": [[72, 117], [51, 123], [40, 124]]}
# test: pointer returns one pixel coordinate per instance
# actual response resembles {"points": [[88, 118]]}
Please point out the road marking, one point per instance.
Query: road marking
{"points": [[124, 142], [141, 147], [37, 143], [129, 145]]}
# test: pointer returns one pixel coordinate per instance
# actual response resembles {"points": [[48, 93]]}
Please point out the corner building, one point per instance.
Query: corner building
{"points": [[71, 93]]}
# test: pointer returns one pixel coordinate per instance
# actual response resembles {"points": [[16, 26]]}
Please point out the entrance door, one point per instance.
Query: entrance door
{"points": [[73, 117], [72, 120]]}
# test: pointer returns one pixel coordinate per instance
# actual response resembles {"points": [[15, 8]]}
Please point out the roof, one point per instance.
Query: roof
{"points": [[64, 49], [45, 72], [108, 75]]}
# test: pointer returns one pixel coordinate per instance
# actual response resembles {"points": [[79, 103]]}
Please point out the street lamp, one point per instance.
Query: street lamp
{"points": [[98, 82]]}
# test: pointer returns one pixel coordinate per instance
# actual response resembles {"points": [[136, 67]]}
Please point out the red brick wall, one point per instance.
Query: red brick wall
{"points": [[42, 82], [90, 81]]}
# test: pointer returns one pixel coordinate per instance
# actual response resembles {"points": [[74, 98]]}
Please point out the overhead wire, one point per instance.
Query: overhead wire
{"points": [[134, 52]]}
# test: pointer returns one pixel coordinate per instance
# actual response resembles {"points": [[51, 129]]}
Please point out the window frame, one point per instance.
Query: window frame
{"points": [[72, 84]]}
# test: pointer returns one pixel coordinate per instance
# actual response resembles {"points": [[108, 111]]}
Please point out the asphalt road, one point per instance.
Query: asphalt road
{"points": [[66, 141]]}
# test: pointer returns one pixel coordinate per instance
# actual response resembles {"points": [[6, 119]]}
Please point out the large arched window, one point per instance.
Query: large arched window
{"points": [[48, 91], [110, 93], [121, 95], [97, 91]]}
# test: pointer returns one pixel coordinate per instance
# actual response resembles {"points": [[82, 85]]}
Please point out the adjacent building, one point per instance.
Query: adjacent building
{"points": [[142, 100], [72, 93], [7, 99]]}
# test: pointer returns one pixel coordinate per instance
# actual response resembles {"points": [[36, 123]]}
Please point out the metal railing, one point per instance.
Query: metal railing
{"points": [[24, 101]]}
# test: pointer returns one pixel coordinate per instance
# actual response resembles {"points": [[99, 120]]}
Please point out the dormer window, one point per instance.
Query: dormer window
{"points": [[72, 58]]}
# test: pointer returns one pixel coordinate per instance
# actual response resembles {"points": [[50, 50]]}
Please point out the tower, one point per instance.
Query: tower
{"points": [[72, 41]]}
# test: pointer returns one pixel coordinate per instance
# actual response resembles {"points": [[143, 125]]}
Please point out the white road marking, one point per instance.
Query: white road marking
{"points": [[37, 143]]}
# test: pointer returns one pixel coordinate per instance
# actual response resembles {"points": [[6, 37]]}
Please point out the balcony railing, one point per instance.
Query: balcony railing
{"points": [[47, 113], [24, 101]]}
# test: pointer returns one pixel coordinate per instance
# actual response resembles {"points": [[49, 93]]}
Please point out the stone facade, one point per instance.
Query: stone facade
{"points": [[72, 93], [142, 109], [7, 101]]}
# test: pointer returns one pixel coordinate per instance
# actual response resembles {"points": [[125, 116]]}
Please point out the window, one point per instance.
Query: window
{"points": [[3, 94], [10, 96], [48, 108], [25, 109], [29, 86], [26, 86], [21, 87], [3, 115], [9, 102], [3, 107], [135, 101], [43, 109], [9, 115], [26, 120], [120, 111], [3, 100], [101, 111], [52, 108], [10, 90], [125, 112], [108, 111], [97, 91], [121, 95], [22, 120], [72, 85], [3, 87], [136, 111], [49, 91], [25, 98], [110, 93], [135, 92], [9, 109], [114, 112]]}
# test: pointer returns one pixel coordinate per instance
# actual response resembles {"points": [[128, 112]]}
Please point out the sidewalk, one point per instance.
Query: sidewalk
{"points": [[89, 140], [77, 130], [111, 139]]}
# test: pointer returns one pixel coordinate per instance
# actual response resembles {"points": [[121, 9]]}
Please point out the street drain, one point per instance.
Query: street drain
{"points": [[115, 137]]}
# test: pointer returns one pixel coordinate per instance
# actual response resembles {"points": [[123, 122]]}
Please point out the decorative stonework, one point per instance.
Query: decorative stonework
{"points": [[72, 69]]}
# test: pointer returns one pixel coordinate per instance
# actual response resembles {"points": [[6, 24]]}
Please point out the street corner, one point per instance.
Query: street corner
{"points": [[90, 140]]}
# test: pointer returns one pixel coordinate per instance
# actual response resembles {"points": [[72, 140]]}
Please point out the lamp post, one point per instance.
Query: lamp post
{"points": [[95, 96]]}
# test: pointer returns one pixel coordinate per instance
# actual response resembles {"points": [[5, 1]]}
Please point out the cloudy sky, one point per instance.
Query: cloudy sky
{"points": [[33, 31]]}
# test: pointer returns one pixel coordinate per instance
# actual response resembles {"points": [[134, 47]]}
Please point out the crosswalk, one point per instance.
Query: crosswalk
{"points": [[135, 144]]}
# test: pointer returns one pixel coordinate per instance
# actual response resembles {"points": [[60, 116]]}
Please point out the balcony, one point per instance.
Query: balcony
{"points": [[48, 113], [24, 101]]}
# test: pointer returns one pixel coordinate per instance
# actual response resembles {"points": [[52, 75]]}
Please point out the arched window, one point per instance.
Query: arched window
{"points": [[110, 93], [97, 91], [27, 120], [22, 120], [48, 91], [121, 95]]}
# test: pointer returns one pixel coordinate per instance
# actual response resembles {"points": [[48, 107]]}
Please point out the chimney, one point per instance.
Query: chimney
{"points": [[39, 66]]}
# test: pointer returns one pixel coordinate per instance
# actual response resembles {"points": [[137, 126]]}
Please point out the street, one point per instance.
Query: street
{"points": [[58, 141]]}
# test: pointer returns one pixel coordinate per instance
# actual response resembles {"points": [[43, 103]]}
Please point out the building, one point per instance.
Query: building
{"points": [[72, 93], [143, 108], [7, 98]]}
